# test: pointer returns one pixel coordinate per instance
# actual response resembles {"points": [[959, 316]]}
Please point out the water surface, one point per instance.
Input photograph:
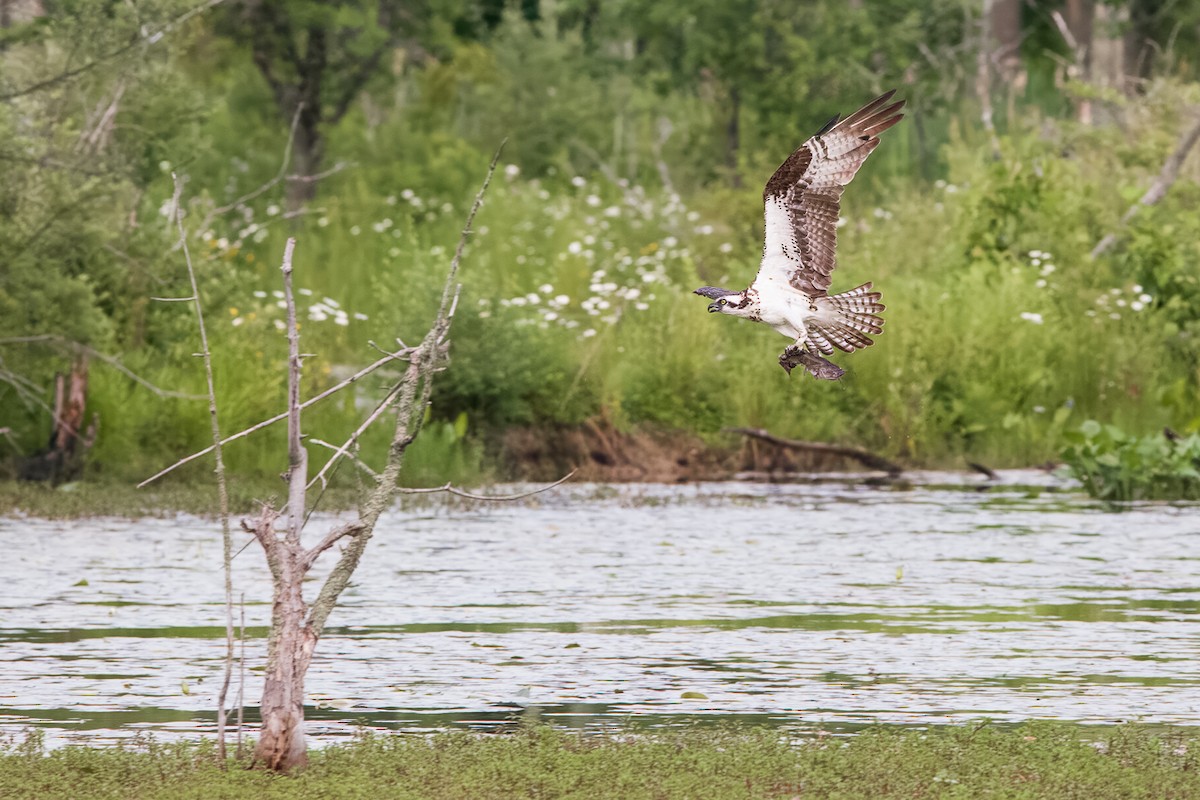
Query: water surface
{"points": [[830, 604]]}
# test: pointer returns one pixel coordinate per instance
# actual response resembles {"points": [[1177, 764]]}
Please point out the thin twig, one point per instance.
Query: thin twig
{"points": [[297, 455], [499, 498], [112, 361], [345, 453], [383, 406], [362, 373], [222, 486], [279, 176], [241, 692], [150, 38], [414, 392]]}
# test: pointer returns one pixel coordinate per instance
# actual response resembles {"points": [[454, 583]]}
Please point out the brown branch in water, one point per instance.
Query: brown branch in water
{"points": [[864, 457], [499, 498], [1158, 190]]}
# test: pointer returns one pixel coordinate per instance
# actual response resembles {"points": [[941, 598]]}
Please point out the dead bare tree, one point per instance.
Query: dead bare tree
{"points": [[297, 625]]}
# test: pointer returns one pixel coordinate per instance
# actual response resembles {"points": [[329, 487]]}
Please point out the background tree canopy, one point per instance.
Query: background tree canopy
{"points": [[639, 134]]}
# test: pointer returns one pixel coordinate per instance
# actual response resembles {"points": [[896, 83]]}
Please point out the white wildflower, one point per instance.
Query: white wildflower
{"points": [[575, 248], [1030, 316], [511, 171], [260, 293], [361, 317], [589, 333], [578, 182], [726, 247], [355, 231], [1144, 299]]}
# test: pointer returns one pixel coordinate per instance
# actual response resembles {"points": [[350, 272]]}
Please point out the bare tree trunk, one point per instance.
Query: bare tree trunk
{"points": [[1140, 46], [62, 459], [281, 745], [1081, 21], [308, 157], [1004, 42]]}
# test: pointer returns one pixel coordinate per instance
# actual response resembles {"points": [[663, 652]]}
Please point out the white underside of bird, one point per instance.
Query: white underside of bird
{"points": [[801, 204]]}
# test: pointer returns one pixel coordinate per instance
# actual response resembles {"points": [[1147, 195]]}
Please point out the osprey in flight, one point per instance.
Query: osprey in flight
{"points": [[790, 292]]}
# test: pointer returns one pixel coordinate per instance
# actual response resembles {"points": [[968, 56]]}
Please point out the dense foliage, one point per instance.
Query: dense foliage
{"points": [[638, 135]]}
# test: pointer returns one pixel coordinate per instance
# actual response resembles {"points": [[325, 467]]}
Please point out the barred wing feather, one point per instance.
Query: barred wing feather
{"points": [[802, 199]]}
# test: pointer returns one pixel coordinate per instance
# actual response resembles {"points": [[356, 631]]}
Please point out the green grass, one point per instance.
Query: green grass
{"points": [[1030, 761]]}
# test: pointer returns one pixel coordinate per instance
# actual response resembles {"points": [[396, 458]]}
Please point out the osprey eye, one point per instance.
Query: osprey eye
{"points": [[721, 302]]}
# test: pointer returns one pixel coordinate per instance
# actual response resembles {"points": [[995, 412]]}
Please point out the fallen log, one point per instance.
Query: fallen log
{"points": [[864, 457]]}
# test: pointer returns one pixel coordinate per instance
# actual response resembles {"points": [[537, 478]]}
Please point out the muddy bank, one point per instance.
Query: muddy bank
{"points": [[603, 454]]}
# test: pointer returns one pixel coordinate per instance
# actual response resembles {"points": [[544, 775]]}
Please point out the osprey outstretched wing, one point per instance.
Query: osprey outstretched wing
{"points": [[802, 204]]}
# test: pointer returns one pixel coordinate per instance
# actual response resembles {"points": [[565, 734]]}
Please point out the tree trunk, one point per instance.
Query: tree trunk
{"points": [[1004, 47], [1139, 42], [308, 150], [62, 459], [733, 137], [1081, 21], [281, 746]]}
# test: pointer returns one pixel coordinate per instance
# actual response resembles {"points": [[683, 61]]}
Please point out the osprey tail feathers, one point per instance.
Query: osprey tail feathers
{"points": [[845, 320]]}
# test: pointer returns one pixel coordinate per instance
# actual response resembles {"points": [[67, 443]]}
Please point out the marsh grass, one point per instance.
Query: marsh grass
{"points": [[1036, 760]]}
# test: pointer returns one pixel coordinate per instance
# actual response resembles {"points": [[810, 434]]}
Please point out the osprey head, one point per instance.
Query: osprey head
{"points": [[725, 301]]}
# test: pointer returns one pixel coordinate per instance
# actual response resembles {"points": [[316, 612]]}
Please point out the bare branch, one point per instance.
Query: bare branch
{"points": [[297, 455], [279, 176], [222, 486], [1158, 190], [362, 373], [414, 391], [150, 38], [864, 457], [331, 538], [499, 498], [342, 451], [383, 406], [78, 347]]}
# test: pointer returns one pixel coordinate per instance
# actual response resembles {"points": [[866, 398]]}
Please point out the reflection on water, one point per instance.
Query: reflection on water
{"points": [[827, 604]]}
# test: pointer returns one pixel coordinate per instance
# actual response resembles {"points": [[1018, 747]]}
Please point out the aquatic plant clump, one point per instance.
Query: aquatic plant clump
{"points": [[1113, 465]]}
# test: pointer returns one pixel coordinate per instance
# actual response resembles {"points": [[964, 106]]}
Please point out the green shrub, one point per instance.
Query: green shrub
{"points": [[1116, 466]]}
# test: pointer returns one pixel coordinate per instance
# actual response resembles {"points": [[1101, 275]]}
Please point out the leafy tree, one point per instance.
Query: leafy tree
{"points": [[317, 56]]}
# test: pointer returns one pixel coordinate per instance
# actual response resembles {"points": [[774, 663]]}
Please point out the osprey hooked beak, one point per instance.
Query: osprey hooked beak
{"points": [[720, 297]]}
